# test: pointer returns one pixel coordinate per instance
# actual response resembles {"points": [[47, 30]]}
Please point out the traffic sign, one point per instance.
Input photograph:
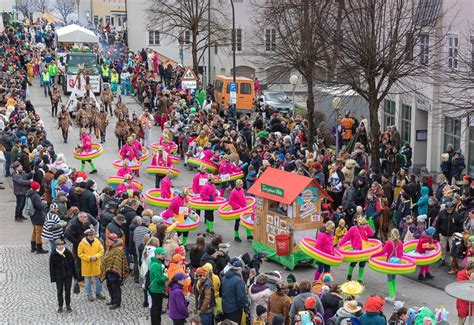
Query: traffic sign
{"points": [[189, 75], [232, 86], [233, 97]]}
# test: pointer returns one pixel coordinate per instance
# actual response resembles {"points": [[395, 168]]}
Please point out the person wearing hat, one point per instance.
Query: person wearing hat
{"points": [[259, 293], [206, 297], [114, 270], [115, 227], [86, 147], [106, 217], [178, 265], [37, 218], [358, 235], [62, 270], [279, 304], [21, 184], [393, 252], [449, 221], [53, 227], [349, 310], [177, 303], [209, 193], [157, 284], [325, 244], [373, 311], [90, 251], [425, 244], [237, 201]]}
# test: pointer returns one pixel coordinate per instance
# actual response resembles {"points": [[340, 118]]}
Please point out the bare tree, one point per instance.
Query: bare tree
{"points": [[298, 45], [25, 7], [174, 18], [373, 46], [40, 5], [65, 8]]}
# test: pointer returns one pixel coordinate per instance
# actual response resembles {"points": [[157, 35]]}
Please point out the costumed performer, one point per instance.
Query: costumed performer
{"points": [[358, 235], [237, 201], [226, 167], [124, 170], [176, 203], [162, 159], [393, 249], [198, 181], [166, 185], [137, 149], [208, 193], [425, 244], [127, 186], [86, 140], [324, 243], [127, 152]]}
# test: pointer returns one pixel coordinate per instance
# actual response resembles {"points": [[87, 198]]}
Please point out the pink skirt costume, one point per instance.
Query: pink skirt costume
{"points": [[166, 186], [86, 143]]}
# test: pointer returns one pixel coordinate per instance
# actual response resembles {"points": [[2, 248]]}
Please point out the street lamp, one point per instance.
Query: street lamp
{"points": [[337, 105], [294, 80]]}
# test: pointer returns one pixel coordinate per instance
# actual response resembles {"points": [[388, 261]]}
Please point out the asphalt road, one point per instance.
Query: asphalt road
{"points": [[15, 237]]}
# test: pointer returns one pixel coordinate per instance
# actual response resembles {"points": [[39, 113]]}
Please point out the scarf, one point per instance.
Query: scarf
{"points": [[61, 252]]}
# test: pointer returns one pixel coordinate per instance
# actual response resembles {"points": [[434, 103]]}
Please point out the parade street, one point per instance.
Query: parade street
{"points": [[28, 297]]}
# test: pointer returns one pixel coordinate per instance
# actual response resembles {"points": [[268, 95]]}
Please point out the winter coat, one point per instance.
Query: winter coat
{"points": [[157, 278], [324, 242], [175, 268], [298, 304], [62, 266], [233, 292], [258, 294], [448, 224], [85, 251], [21, 183], [391, 249], [75, 230], [52, 230], [237, 199], [461, 305], [355, 234], [177, 306], [88, 203], [115, 262], [370, 318], [278, 305], [422, 203], [40, 207]]}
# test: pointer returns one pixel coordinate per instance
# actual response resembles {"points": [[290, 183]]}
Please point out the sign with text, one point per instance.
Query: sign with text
{"points": [[272, 190]]}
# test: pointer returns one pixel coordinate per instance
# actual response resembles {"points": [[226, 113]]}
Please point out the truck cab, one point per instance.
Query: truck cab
{"points": [[73, 61]]}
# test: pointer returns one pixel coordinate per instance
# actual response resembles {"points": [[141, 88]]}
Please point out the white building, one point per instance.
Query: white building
{"points": [[423, 120]]}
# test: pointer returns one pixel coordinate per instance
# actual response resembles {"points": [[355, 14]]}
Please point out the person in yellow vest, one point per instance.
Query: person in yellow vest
{"points": [[114, 80], [53, 71], [105, 72], [46, 80]]}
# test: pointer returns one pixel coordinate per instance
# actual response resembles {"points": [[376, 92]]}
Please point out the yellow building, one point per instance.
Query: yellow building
{"points": [[109, 12]]}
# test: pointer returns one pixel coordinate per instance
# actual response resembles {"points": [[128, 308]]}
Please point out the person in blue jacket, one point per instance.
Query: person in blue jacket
{"points": [[422, 203], [233, 293]]}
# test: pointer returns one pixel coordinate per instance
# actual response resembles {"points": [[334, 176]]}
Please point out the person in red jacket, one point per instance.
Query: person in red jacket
{"points": [[461, 305], [358, 235], [324, 243], [425, 244], [393, 252], [209, 193], [237, 201]]}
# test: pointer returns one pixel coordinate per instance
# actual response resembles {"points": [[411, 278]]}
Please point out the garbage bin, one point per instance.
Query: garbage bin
{"points": [[282, 242]]}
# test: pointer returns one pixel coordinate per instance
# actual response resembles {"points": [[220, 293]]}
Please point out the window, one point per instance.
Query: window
{"points": [[228, 87], [96, 20], [270, 39], [112, 21], [238, 39], [215, 48], [453, 43], [409, 46], [107, 20], [119, 21], [218, 84], [424, 49], [153, 37], [406, 124], [187, 37], [245, 88], [388, 113], [452, 132]]}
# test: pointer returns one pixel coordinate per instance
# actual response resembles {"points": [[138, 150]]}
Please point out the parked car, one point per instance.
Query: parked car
{"points": [[277, 101]]}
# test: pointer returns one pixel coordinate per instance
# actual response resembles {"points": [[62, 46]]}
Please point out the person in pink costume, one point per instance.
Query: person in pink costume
{"points": [[208, 193], [161, 159], [207, 156], [237, 201], [137, 147], [358, 235], [393, 252], [127, 186], [177, 202], [86, 147], [199, 179], [166, 185], [127, 152], [226, 167], [124, 170], [425, 244], [324, 243]]}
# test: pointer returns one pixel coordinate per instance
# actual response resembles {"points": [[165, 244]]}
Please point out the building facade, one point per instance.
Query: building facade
{"points": [[104, 12]]}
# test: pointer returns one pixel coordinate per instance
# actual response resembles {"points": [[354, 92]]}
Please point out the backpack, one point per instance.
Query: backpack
{"points": [[29, 209]]}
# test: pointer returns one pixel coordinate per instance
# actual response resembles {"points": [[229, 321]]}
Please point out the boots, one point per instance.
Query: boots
{"points": [[40, 250], [454, 266], [33, 246]]}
